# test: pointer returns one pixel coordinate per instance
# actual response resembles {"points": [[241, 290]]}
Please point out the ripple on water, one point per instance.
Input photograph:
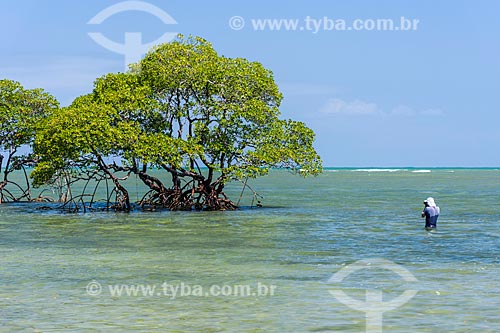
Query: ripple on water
{"points": [[312, 230]]}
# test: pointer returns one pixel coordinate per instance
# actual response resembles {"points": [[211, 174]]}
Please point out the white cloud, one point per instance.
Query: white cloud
{"points": [[403, 110], [357, 107], [432, 112]]}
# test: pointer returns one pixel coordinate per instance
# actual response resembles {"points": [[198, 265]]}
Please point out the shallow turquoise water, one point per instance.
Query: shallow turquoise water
{"points": [[307, 231]]}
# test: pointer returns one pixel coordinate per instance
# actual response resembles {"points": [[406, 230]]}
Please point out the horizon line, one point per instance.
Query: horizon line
{"points": [[411, 167]]}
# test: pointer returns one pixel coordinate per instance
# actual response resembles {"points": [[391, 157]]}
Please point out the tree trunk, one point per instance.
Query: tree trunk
{"points": [[122, 193], [2, 185]]}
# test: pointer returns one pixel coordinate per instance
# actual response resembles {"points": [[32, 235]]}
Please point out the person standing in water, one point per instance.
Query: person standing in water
{"points": [[431, 213]]}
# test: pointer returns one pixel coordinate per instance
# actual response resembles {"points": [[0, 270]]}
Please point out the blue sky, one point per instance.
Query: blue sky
{"points": [[425, 97]]}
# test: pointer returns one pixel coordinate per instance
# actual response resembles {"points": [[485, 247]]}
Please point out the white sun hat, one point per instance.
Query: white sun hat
{"points": [[430, 201]]}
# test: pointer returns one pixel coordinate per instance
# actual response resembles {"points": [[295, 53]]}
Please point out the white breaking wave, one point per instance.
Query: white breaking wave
{"points": [[379, 170]]}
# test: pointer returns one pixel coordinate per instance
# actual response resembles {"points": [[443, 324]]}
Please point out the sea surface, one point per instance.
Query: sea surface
{"points": [[279, 268]]}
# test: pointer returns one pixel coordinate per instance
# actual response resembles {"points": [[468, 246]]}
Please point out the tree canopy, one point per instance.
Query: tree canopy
{"points": [[201, 118], [21, 111]]}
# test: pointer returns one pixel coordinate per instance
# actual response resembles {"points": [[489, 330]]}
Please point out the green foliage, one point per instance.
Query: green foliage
{"points": [[82, 132], [20, 112], [181, 108], [229, 107]]}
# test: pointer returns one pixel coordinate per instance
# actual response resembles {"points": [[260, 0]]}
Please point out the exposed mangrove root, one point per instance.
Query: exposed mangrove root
{"points": [[188, 191], [175, 199]]}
